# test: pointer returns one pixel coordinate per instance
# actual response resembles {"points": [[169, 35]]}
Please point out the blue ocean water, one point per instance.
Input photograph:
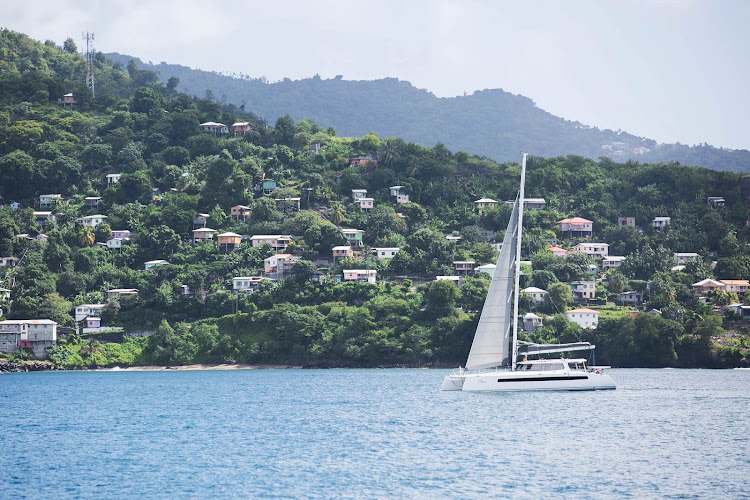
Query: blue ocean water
{"points": [[369, 433]]}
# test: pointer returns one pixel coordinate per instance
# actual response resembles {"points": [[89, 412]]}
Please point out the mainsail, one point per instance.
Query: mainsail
{"points": [[492, 339]]}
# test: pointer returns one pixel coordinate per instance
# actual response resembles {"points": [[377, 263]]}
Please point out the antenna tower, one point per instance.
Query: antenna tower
{"points": [[88, 38]]}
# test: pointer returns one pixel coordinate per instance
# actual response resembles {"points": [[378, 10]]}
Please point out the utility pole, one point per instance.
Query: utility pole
{"points": [[88, 39]]}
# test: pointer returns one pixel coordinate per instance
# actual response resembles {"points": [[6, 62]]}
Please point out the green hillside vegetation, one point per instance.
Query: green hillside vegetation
{"points": [[489, 122], [172, 171]]}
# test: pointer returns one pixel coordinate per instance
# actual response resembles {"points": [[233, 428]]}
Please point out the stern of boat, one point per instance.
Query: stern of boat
{"points": [[454, 381]]}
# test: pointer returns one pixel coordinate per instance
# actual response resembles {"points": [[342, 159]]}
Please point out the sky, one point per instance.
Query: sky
{"points": [[669, 70]]}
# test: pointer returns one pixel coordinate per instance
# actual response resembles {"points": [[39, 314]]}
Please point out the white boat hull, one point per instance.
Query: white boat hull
{"points": [[502, 381]]}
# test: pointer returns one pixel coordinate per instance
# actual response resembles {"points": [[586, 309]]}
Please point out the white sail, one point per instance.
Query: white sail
{"points": [[492, 339]]}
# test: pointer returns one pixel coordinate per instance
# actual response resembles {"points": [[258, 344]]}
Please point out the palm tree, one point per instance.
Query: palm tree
{"points": [[388, 152], [337, 213], [86, 236]]}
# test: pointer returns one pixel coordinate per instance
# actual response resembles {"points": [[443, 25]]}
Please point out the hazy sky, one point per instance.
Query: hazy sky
{"points": [[671, 70]]}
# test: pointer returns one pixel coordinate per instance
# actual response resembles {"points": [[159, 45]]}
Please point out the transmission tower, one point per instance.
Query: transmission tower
{"points": [[88, 39]]}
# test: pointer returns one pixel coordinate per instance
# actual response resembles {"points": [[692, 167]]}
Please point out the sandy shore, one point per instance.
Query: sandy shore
{"points": [[207, 367]]}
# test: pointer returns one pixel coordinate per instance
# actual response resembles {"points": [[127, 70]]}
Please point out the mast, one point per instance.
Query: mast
{"points": [[516, 291]]}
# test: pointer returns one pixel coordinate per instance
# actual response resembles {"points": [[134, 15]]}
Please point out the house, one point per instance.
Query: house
{"points": [[641, 150], [358, 193], [118, 293], [287, 204], [737, 286], [592, 269], [715, 202], [115, 243], [535, 294], [557, 251], [269, 186], [204, 233], [229, 241], [631, 298], [594, 250], [626, 221], [683, 257], [92, 201], [120, 233], [85, 310], [342, 251], [353, 236], [486, 268], [151, 264], [583, 290], [483, 204], [660, 222], [280, 264], [45, 200], [585, 318], [611, 262], [531, 322], [385, 252], [534, 203], [240, 212], [6, 262], [363, 161], [246, 283], [38, 334], [277, 241], [366, 203], [706, 285], [68, 100], [241, 128], [367, 275], [576, 226], [44, 217], [464, 267], [453, 238], [41, 237], [92, 220], [200, 220], [113, 179], [214, 128], [398, 195]]}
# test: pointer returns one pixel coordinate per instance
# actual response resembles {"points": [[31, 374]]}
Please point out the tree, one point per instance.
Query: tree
{"points": [[70, 46], [16, 174], [172, 83], [337, 213], [86, 236], [559, 296], [441, 299]]}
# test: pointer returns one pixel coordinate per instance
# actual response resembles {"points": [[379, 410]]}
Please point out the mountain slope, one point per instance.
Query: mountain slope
{"points": [[493, 123]]}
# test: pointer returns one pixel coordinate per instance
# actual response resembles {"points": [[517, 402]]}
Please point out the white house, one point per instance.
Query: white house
{"points": [[455, 279], [631, 298], [278, 242], [358, 193], [113, 179], [367, 275], [661, 222], [155, 263], [92, 220], [385, 252], [118, 293], [246, 283], [595, 250], [737, 286], [120, 233], [611, 262], [534, 203], [398, 195], [683, 257], [203, 233], [7, 262], [214, 128], [115, 243], [280, 264], [536, 294], [585, 318], [531, 322], [85, 310], [45, 200]]}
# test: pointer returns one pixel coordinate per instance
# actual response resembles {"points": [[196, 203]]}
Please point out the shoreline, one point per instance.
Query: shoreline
{"points": [[199, 367]]}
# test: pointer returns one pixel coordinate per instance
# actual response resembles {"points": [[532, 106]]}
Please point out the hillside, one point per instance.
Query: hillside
{"points": [[119, 211], [492, 123]]}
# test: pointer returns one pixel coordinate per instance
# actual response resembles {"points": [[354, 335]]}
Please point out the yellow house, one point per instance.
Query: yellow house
{"points": [[483, 204]]}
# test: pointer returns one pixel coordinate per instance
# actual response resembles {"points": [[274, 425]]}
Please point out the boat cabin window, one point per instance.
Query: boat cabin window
{"points": [[543, 367], [577, 366]]}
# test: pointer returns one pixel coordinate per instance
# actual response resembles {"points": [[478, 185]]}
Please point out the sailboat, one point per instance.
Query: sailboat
{"points": [[493, 363]]}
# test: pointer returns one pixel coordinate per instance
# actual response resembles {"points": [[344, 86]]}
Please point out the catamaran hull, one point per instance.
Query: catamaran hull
{"points": [[518, 381]]}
